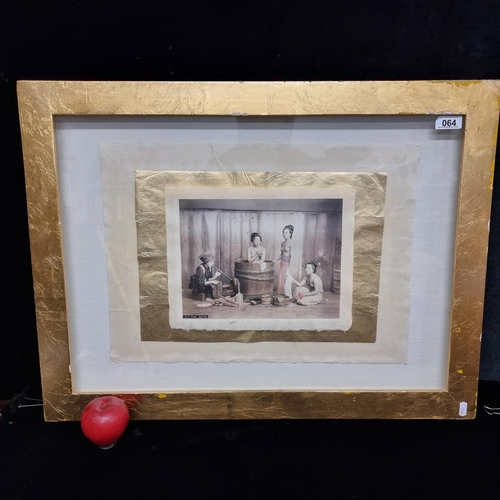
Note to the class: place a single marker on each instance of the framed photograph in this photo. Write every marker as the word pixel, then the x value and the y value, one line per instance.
pixel 260 249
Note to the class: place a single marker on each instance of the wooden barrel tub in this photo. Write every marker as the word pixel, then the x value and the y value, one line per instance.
pixel 253 281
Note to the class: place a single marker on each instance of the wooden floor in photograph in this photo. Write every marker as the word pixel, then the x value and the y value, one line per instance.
pixel 328 308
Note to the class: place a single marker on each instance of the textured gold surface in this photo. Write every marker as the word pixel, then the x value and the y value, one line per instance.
pixel 39 102
pixel 151 237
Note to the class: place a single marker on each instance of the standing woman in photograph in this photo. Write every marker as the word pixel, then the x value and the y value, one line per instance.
pixel 309 291
pixel 256 253
pixel 285 258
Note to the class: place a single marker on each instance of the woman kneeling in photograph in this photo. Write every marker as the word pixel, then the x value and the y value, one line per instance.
pixel 309 291
pixel 206 276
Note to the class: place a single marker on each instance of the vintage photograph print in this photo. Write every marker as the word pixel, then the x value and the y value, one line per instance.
pixel 261 258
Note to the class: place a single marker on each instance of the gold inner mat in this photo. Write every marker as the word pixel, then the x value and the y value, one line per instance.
pixel 153 253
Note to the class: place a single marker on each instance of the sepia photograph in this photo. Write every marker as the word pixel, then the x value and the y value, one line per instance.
pixel 261 258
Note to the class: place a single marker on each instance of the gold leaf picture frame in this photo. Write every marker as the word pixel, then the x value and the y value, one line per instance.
pixel 271 387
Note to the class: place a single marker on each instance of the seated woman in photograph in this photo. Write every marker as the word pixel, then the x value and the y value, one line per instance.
pixel 285 258
pixel 256 253
pixel 309 291
pixel 206 277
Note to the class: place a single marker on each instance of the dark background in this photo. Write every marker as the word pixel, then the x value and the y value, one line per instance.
pixel 203 41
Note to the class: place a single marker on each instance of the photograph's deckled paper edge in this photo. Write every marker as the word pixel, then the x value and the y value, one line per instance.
pixel 343 323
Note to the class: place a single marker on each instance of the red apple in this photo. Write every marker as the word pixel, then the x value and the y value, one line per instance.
pixel 104 420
